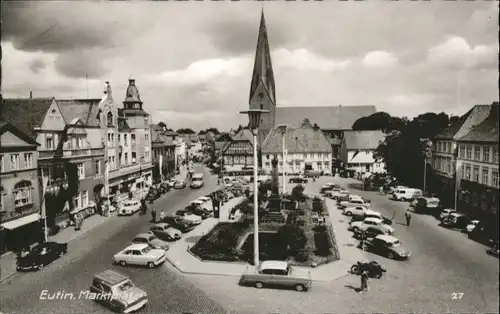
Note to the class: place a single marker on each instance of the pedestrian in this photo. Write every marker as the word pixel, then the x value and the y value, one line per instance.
pixel 408 217
pixel 162 215
pixel 153 215
pixel 364 281
pixel 381 189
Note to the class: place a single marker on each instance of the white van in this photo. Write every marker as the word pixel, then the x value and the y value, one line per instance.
pixel 406 194
pixel 197 181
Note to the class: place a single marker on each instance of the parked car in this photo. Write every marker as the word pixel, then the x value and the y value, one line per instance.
pixel 198 211
pixel 179 224
pixel 355 210
pixel 164 187
pixel 446 212
pixel 189 217
pixel 140 254
pixel 165 231
pixel 152 240
pixel 355 201
pixel 197 181
pixel 335 193
pixel 455 220
pixel 153 195
pixel 117 292
pixel 203 199
pixel 365 232
pixel 171 183
pixel 426 204
pixel 179 185
pixel 386 245
pixel 470 227
pixel 129 207
pixel 41 255
pixel 277 273
pixel 328 187
pixel 370 222
pixel 406 194
pixel 298 179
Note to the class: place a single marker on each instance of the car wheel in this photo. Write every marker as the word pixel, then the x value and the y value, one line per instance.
pixel 300 287
pixel 39 267
pixel 390 255
pixel 259 285
pixel 365 247
pixel 348 213
pixel 355 229
pixel 403 199
pixel 151 265
pixel 61 254
pixel 122 263
pixel 335 198
pixel 355 269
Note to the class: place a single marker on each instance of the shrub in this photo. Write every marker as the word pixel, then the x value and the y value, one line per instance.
pixel 322 243
pixel 320 228
pixel 298 193
pixel 317 204
pixel 292 237
pixel 301 256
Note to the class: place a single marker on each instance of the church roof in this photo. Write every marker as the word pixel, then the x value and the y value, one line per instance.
pixel 263 68
pixel 304 139
pixel 327 117
pixel 132 93
pixel 25 113
pixel 363 139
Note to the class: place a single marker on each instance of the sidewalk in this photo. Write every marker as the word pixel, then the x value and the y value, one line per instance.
pixel 8 260
pixel 179 256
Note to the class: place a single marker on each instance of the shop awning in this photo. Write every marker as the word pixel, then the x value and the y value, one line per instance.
pixel 13 224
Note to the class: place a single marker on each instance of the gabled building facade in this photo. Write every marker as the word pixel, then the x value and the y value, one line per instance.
pixel 20 223
pixel 306 149
pixel 358 151
pixel 238 153
pixel 163 155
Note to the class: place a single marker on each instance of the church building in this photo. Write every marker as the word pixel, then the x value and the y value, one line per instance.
pixel 332 120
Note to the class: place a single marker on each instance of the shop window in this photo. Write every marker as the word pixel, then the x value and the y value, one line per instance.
pixel 23 193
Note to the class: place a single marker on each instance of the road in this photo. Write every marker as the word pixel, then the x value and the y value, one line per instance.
pixel 447 273
pixel 168 290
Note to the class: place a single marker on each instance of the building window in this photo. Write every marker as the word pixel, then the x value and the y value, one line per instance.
pixel 1 164
pixel 126 158
pixel 97 167
pixel 467 172
pixel 486 154
pixel 28 160
pixel 78 200
pixel 14 162
pixel 475 174
pixel 49 143
pixel 468 152
pixel 132 139
pixel 146 137
pixel 494 178
pixel 119 138
pixel 110 119
pixel 1 199
pixel 485 175
pixel 477 153
pixel 461 151
pixel 146 155
pixel 85 198
pixel 449 147
pixel 81 170
pixel 495 155
pixel 125 140
pixel 23 194
pixel 134 158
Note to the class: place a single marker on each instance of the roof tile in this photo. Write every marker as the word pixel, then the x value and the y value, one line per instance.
pixel 297 140
pixel 25 114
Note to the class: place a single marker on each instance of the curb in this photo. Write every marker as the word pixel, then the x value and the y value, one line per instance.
pixel 72 240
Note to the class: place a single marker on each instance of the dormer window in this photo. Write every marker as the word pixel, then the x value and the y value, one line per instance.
pixel 110 119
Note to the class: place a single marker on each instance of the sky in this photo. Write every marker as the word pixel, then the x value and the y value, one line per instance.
pixel 192 61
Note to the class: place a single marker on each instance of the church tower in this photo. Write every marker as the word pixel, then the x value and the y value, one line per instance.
pixel 262 89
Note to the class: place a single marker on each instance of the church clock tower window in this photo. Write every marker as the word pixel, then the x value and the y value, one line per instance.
pixel 110 118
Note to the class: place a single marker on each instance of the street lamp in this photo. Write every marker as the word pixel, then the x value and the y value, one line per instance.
pixel 282 129
pixel 254 119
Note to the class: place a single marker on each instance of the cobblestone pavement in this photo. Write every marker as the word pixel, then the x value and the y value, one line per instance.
pixel 168 290
pixel 447 273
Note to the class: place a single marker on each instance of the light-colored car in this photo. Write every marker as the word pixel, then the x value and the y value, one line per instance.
pixel 117 292
pixel 171 183
pixel 152 240
pixel 336 193
pixel 277 273
pixel 188 217
pixel 446 212
pixel 164 231
pixel 204 199
pixel 470 227
pixel 355 201
pixel 129 207
pixel 356 225
pixel 178 185
pixel 140 254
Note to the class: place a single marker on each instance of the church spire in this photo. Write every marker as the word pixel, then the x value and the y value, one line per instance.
pixel 263 69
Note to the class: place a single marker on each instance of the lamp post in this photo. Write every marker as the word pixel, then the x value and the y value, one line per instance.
pixel 254 119
pixel 282 129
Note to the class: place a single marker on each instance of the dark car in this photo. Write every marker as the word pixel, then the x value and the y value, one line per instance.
pixel 178 224
pixel 455 220
pixel 386 245
pixel 198 210
pixel 164 188
pixel 153 195
pixel 42 255
pixel 297 180
pixel 369 232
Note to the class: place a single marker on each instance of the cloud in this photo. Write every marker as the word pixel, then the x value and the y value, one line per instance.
pixel 80 64
pixel 37 65
pixel 304 60
pixel 379 59
pixel 455 53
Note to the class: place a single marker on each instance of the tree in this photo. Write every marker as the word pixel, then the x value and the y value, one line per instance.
pixel 185 131
pixel 162 124
pixel 213 130
pixel 379 121
pixel 292 237
pixel 298 193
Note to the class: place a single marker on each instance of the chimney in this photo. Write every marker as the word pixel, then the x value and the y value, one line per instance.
pixel 31 94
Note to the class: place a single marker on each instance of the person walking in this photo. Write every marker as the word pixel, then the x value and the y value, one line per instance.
pixel 153 215
pixel 408 217
pixel 381 189
pixel 162 215
pixel 364 281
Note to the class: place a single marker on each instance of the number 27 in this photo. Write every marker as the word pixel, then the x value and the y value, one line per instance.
pixel 457 295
